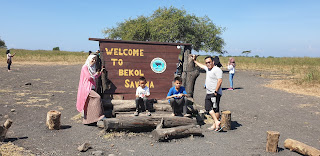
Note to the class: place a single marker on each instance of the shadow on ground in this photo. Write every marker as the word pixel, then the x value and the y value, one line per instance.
pixel 235 125
pixel 233 88
pixel 14 139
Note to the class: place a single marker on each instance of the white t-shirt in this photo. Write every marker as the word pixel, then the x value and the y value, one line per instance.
pixel 212 77
pixel 231 69
pixel 9 56
pixel 142 92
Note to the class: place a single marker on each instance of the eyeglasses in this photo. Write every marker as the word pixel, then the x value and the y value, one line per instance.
pixel 208 62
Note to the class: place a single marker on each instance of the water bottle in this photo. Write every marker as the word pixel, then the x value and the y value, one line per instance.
pixel 214 102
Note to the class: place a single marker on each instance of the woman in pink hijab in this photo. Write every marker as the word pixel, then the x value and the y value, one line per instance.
pixel 88 101
pixel 231 68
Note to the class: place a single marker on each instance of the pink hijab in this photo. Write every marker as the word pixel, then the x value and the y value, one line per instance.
pixel 87 79
pixel 232 61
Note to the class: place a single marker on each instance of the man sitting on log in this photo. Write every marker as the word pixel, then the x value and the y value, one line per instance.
pixel 177 98
pixel 142 94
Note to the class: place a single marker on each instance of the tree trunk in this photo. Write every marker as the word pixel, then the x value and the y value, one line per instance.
pixel 189 73
pixel 226 120
pixel 301 148
pixel 53 119
pixel 162 134
pixel 4 129
pixel 144 123
pixel 272 141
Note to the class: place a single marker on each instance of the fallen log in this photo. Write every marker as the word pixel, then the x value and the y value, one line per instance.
pixel 272 141
pixel 143 123
pixel 4 128
pixel 53 119
pixel 164 134
pixel 161 105
pixel 130 105
pixel 301 148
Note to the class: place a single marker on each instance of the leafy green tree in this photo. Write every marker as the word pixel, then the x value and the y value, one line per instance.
pixel 246 52
pixel 56 49
pixel 2 44
pixel 171 25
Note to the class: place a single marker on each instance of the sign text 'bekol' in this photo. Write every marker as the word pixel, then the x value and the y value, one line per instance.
pixel 127 72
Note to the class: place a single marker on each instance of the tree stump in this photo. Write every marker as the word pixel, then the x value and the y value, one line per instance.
pixel 272 141
pixel 226 120
pixel 301 148
pixel 53 119
pixel 163 134
pixel 4 128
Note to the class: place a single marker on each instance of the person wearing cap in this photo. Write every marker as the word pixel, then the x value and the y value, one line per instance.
pixel 213 88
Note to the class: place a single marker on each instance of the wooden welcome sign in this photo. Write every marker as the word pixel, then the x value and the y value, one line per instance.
pixel 127 61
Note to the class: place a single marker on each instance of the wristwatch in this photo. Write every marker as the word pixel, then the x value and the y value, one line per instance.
pixel 215 92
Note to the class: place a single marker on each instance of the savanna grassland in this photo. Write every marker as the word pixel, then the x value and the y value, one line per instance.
pixel 44 57
pixel 293 74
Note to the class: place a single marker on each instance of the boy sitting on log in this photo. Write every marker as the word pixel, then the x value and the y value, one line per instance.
pixel 142 94
pixel 177 98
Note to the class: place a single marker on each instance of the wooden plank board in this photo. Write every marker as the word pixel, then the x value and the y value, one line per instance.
pixel 127 61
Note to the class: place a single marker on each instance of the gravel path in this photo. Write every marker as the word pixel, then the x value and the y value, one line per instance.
pixel 255 110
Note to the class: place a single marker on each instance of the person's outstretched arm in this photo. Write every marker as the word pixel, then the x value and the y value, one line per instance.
pixel 194 58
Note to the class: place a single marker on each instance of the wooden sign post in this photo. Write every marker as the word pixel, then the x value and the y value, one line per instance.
pixel 127 61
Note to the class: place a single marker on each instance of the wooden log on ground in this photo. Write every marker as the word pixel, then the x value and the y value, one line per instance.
pixel 162 107
pixel 163 134
pixel 53 119
pixel 130 105
pixel 272 141
pixel 226 120
pixel 4 128
pixel 144 123
pixel 301 148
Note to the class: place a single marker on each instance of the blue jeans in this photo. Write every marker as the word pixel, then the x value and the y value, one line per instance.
pixel 231 79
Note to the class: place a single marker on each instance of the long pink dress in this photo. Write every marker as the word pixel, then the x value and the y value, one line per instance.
pixel 87 99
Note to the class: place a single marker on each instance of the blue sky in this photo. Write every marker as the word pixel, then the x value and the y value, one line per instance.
pixel 281 28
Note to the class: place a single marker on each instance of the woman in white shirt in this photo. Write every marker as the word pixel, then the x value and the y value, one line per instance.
pixel 231 68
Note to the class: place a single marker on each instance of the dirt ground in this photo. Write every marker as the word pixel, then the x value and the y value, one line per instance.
pixel 255 110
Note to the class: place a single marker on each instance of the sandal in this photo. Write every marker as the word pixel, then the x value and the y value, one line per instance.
pixel 219 129
pixel 136 113
pixel 212 128
pixel 148 113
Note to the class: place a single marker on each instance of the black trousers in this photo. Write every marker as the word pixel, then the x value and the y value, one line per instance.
pixel 178 106
pixel 139 102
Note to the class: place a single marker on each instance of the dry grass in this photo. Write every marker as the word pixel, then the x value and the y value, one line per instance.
pixel 9 149
pixel 44 57
pixel 292 87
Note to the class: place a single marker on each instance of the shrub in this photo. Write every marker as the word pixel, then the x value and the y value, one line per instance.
pixel 56 49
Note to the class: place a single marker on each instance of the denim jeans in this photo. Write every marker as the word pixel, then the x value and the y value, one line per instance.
pixel 231 79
